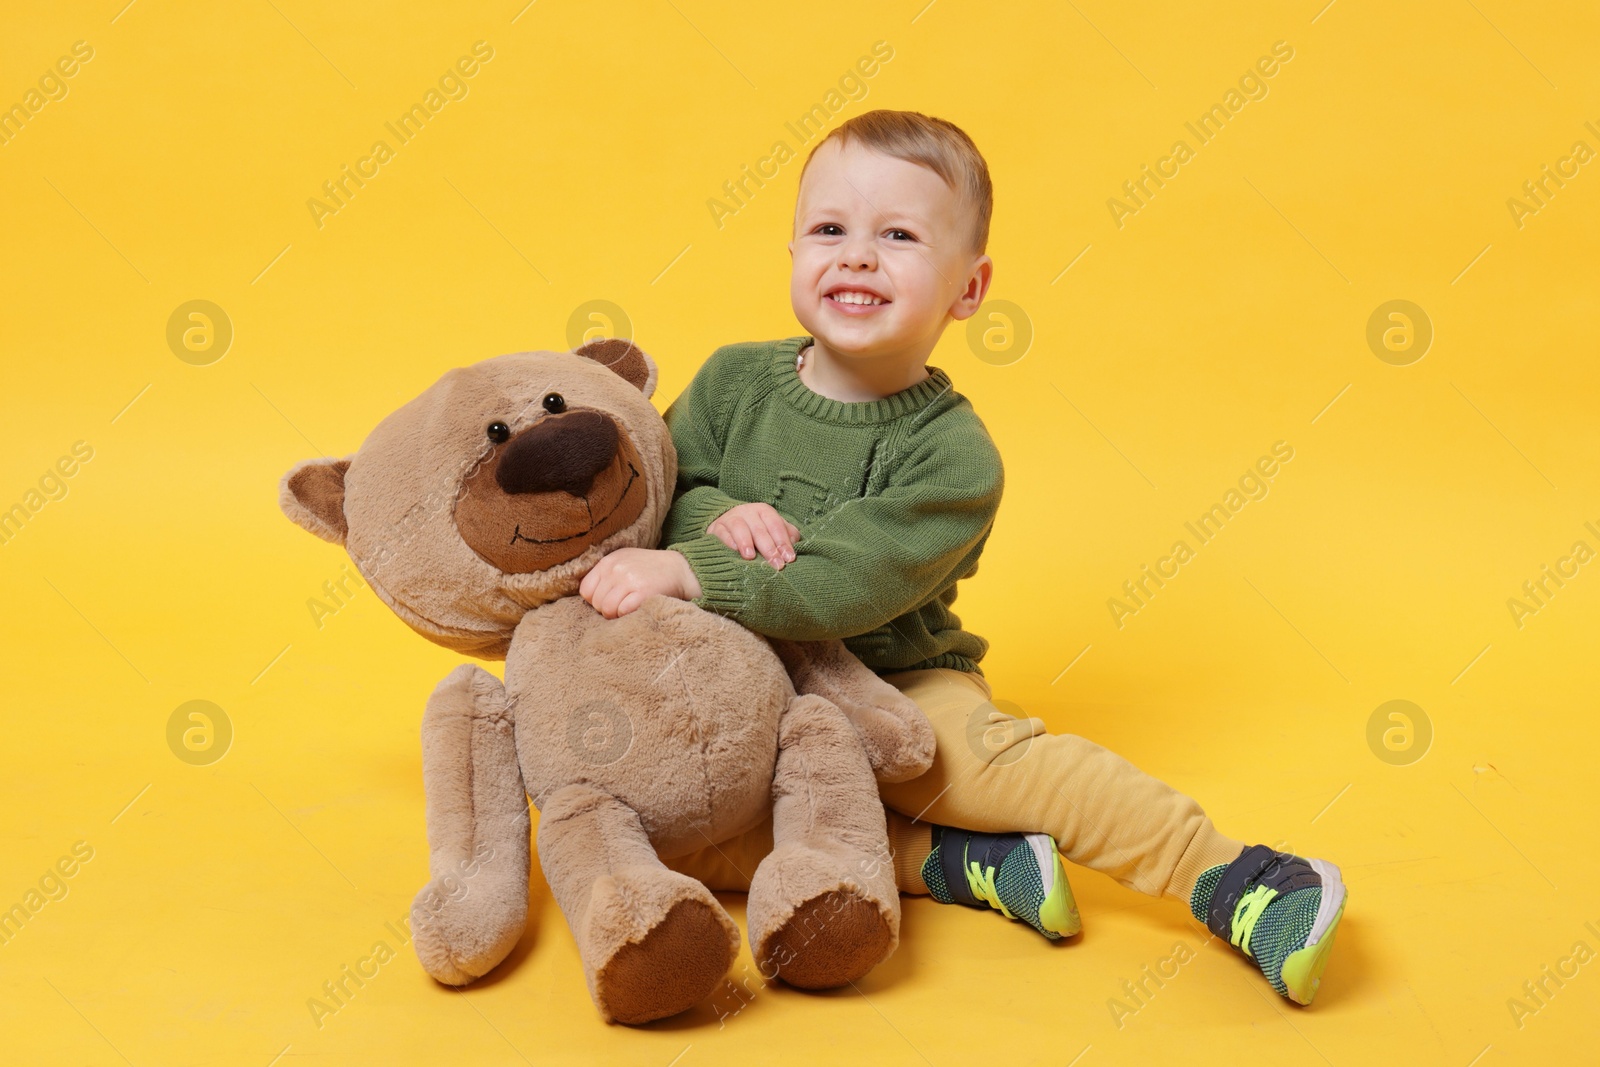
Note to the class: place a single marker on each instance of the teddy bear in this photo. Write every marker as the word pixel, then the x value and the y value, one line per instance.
pixel 474 511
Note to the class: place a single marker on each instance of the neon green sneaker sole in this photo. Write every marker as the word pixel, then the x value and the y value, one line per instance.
pixel 1302 970
pixel 1059 912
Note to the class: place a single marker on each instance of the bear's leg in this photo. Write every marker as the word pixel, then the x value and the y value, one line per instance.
pixel 469 917
pixel 823 907
pixel 896 734
pixel 653 942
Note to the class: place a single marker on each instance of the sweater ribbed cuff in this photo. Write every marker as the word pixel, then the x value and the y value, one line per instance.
pixel 700 505
pixel 719 570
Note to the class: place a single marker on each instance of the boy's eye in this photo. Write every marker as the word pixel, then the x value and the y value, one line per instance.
pixel 830 229
pixel 902 233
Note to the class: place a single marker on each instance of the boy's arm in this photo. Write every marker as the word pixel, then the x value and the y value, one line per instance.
pixel 867 560
pixel 696 419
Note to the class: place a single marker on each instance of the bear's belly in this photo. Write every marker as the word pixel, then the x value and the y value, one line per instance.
pixel 671 709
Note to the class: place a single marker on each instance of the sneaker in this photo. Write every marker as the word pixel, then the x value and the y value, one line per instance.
pixel 1018 875
pixel 1280 910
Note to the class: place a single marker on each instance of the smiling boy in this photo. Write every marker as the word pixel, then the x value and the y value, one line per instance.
pixel 868 487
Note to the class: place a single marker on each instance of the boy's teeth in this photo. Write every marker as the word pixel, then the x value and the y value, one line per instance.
pixel 856 298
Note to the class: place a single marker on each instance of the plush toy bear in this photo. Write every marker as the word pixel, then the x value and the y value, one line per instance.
pixel 474 511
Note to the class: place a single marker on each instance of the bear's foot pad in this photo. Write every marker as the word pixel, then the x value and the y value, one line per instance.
pixel 831 940
pixel 673 968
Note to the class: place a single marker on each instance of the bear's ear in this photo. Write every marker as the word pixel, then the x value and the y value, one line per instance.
pixel 626 358
pixel 312 494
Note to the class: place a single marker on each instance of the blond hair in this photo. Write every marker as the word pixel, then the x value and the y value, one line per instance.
pixel 941 146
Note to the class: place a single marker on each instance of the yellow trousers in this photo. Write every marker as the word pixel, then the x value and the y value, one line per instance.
pixel 994 772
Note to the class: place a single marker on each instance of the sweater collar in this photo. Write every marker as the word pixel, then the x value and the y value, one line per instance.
pixel 910 399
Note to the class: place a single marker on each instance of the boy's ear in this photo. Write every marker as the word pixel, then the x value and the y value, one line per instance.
pixel 626 358
pixel 312 495
pixel 971 298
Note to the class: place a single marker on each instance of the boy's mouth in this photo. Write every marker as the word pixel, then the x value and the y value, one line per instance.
pixel 856 301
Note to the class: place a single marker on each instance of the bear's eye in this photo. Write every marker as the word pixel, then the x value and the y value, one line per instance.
pixel 499 432
pixel 555 404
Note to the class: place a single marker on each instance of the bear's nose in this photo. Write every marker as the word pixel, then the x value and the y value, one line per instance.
pixel 558 452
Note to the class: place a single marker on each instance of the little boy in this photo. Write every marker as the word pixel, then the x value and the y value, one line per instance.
pixel 868 486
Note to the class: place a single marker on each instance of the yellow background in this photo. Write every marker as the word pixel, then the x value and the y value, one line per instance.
pixel 1224 316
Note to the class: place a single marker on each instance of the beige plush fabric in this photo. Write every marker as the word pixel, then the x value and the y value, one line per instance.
pixel 639 738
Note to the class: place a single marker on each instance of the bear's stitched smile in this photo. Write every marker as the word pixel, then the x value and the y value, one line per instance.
pixel 551 514
pixel 516 534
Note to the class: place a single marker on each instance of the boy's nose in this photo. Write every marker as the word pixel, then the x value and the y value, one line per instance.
pixel 558 452
pixel 857 253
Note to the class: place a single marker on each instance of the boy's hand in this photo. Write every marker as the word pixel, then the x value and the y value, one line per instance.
pixel 623 579
pixel 748 528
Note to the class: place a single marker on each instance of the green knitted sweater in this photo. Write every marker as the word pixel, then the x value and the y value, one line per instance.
pixel 894 499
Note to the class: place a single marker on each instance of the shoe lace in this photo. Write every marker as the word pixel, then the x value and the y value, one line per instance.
pixel 981 882
pixel 1245 914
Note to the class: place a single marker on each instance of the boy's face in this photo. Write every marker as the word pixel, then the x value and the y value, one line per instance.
pixel 870 223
